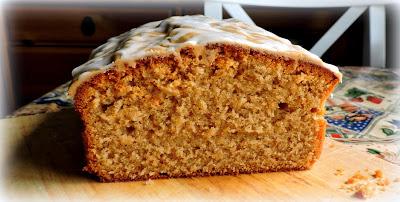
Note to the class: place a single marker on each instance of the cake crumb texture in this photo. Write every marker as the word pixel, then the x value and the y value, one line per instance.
pixel 207 110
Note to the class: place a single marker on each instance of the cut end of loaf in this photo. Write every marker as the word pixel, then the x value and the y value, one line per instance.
pixel 208 110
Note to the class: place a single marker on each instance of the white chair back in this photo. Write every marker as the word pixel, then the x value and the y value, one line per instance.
pixel 377 20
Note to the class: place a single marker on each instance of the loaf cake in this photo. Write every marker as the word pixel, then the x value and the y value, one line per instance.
pixel 195 96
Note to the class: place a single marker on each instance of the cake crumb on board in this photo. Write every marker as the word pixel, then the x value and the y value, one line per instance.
pixel 365 185
pixel 339 172
pixel 148 182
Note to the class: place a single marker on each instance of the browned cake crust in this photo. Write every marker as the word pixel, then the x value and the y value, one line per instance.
pixel 219 58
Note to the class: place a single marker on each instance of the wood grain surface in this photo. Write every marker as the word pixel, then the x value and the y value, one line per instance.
pixel 44 156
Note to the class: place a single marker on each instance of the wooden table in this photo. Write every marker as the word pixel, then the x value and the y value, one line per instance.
pixel 43 157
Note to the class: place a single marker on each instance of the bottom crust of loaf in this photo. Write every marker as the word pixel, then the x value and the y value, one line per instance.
pixel 214 110
pixel 194 174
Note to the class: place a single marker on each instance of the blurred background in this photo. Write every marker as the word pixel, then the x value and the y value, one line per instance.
pixel 42 41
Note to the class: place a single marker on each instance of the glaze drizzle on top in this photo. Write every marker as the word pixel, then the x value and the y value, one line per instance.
pixel 171 34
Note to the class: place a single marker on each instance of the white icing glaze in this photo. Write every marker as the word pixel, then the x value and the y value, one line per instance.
pixel 173 33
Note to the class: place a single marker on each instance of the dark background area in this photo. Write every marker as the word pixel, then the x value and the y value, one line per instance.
pixel 46 41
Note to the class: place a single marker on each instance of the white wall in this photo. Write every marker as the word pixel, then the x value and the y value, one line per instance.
pixel 6 80
pixel 393 39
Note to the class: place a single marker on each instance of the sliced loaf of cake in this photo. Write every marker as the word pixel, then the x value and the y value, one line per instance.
pixel 195 96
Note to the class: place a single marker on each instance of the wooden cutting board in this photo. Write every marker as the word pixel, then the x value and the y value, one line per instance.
pixel 43 159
